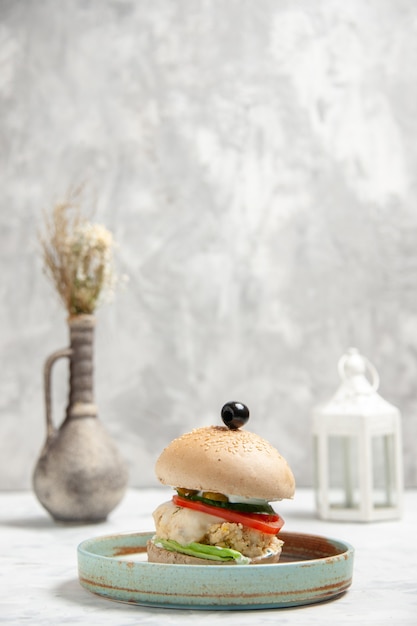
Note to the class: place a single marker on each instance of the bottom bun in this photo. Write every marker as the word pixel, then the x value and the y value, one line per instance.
pixel 160 555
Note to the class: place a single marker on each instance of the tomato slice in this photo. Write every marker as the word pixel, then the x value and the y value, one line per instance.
pixel 264 523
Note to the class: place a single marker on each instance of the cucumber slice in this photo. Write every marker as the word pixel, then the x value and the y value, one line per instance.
pixel 243 507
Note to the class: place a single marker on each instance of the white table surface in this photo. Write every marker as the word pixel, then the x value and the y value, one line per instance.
pixel 39 579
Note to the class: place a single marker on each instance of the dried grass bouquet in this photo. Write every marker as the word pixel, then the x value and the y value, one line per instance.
pixel 78 257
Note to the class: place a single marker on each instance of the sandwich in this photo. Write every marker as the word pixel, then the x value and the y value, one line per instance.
pixel 225 479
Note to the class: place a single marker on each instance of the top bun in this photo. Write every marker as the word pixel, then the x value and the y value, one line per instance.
pixel 232 462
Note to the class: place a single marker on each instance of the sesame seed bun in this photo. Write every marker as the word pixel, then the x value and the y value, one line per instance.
pixel 233 462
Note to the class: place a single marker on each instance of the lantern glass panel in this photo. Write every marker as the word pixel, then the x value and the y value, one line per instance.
pixel 384 476
pixel 343 472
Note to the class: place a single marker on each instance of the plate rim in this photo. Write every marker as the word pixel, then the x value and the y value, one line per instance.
pixel 349 550
pixel 146 595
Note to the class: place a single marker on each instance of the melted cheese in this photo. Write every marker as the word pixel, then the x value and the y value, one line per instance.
pixel 181 524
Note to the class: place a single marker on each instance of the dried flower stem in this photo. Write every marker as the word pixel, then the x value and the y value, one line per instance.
pixel 78 257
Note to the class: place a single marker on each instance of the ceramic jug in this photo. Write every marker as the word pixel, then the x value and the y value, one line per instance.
pixel 80 475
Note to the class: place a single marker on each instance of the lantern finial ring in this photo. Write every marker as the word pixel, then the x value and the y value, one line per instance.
pixel 353 364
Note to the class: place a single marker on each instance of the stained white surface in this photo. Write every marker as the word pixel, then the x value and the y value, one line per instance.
pixel 39 580
pixel 256 162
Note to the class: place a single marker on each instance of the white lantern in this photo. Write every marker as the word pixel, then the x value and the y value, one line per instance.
pixel 358 448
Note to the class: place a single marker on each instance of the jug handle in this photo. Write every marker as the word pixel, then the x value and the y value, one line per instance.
pixel 59 354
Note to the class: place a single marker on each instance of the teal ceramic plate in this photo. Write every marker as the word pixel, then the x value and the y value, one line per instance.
pixel 311 569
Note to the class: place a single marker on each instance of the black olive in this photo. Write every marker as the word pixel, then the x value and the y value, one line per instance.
pixel 235 415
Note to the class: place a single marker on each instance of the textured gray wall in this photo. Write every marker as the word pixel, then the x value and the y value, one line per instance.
pixel 256 162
